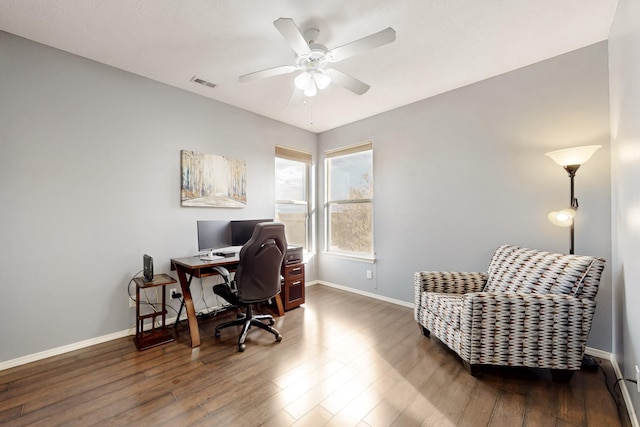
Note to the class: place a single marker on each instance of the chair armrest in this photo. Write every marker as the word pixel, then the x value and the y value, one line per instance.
pixel 545 330
pixel 451 282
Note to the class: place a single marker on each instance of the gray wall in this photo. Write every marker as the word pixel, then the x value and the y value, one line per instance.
pixel 90 177
pixel 459 174
pixel 624 62
pixel 90 181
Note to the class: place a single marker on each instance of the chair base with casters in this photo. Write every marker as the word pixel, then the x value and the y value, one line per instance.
pixel 246 320
pixel 249 319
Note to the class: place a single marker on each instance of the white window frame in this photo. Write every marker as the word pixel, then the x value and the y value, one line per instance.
pixel 356 148
pixel 306 158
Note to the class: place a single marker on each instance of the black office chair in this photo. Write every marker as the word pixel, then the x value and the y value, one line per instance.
pixel 257 279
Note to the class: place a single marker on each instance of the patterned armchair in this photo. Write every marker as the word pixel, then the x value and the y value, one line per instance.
pixel 531 308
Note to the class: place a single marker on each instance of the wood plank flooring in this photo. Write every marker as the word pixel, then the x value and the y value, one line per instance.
pixel 345 360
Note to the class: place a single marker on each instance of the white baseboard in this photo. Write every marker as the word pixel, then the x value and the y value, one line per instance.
pixel 598 353
pixel 87 343
pixel 64 349
pixel 364 293
pixel 623 385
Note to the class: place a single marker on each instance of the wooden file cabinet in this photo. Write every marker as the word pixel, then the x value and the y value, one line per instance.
pixel 292 286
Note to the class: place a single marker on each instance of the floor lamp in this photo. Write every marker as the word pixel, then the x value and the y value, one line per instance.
pixel 570 159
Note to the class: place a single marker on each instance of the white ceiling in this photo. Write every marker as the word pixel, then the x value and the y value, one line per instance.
pixel 441 44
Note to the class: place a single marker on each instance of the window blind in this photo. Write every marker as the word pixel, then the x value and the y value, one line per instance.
pixel 293 154
pixel 357 148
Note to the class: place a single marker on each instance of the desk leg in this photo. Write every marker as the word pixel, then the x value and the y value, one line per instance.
pixel 279 305
pixel 188 303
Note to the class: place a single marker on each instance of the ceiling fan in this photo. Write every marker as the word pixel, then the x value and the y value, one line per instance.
pixel 313 59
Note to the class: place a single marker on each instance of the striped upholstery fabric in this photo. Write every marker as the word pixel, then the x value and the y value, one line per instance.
pixel 514 269
pixel 532 308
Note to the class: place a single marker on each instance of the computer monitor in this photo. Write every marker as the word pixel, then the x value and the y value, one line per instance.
pixel 213 234
pixel 241 231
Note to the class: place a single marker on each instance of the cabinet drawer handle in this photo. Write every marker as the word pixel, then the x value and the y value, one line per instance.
pixel 296 283
pixel 296 270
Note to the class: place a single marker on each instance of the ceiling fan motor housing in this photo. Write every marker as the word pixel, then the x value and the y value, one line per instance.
pixel 314 60
pixel 311 35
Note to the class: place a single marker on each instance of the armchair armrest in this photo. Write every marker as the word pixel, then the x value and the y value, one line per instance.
pixel 444 282
pixel 536 330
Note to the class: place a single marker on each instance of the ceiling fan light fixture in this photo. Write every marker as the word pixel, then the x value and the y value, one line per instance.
pixel 302 81
pixel 311 89
pixel 322 79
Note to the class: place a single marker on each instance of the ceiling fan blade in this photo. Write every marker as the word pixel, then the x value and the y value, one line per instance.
pixel 296 99
pixel 364 44
pixel 292 35
pixel 348 82
pixel 269 72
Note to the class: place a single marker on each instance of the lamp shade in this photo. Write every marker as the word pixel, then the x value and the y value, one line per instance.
pixel 573 156
pixel 562 218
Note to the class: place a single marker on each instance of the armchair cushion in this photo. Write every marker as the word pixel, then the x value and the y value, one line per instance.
pixel 447 307
pixel 514 269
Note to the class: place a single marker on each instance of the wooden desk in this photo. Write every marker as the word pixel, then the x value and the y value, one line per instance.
pixel 195 267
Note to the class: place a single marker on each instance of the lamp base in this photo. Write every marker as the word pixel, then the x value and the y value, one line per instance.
pixel 589 363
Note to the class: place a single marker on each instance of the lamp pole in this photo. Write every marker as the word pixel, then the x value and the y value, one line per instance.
pixel 571 170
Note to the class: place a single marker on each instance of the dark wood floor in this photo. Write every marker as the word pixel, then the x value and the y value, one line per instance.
pixel 345 360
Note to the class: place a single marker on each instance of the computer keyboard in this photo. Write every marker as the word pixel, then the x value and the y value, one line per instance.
pixel 210 258
pixel 219 253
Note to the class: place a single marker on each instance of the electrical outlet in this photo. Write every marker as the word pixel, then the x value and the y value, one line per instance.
pixel 172 291
pixel 369 274
pixel 637 379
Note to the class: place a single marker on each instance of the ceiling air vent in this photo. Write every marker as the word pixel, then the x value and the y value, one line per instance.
pixel 203 82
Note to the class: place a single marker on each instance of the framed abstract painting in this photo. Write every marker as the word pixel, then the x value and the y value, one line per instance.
pixel 209 180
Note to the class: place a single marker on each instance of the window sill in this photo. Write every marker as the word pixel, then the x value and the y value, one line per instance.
pixel 359 258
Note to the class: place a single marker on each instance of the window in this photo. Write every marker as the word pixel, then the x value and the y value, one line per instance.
pixel 349 208
pixel 292 194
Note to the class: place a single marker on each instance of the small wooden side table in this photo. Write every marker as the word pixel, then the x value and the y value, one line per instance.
pixel 156 335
